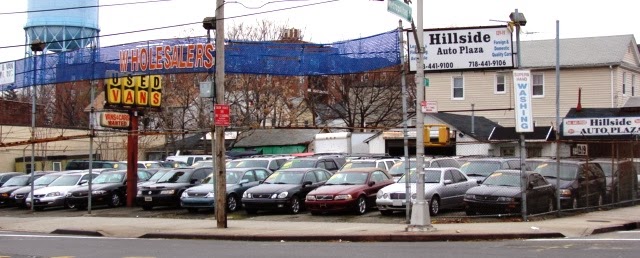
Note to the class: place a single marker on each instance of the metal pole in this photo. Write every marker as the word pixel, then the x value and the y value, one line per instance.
pixel 92 129
pixel 220 173
pixel 558 203
pixel 407 163
pixel 523 150
pixel 420 219
pixel 33 127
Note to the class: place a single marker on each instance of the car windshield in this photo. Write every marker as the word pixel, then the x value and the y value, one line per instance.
pixel 479 168
pixel 66 180
pixel 232 164
pixel 175 177
pixel 152 165
pixel 202 163
pixel 46 180
pixel 567 171
pixel 157 176
pixel 398 168
pixel 431 176
pixel 503 179
pixel 106 178
pixel 299 163
pixel 252 163
pixel 233 177
pixel 287 177
pixel 607 168
pixel 17 181
pixel 348 178
pixel 360 164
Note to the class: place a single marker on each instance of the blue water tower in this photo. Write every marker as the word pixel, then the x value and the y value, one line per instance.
pixel 64 25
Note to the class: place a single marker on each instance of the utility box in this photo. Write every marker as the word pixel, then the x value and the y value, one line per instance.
pixel 436 135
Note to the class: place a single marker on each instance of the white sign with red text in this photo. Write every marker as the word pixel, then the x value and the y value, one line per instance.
pixel 600 126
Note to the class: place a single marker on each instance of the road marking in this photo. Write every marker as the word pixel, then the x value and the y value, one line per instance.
pixel 583 239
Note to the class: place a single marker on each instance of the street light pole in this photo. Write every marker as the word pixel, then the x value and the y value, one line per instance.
pixel 220 173
pixel 36 45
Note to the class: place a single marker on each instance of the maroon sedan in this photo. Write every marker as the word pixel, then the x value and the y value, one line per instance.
pixel 348 190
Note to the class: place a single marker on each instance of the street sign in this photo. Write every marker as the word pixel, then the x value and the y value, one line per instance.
pixel 221 115
pixel 426 82
pixel 399 8
pixel 429 106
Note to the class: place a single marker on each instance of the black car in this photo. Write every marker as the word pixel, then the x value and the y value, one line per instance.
pixel 501 193
pixel 19 195
pixel 13 184
pixel 5 176
pixel 285 189
pixel 109 188
pixel 238 181
pixel 167 190
pixel 582 182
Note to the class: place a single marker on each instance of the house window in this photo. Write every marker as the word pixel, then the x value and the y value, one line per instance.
pixel 500 84
pixel 507 151
pixel 57 166
pixel 534 152
pixel 458 88
pixel 538 85
pixel 624 83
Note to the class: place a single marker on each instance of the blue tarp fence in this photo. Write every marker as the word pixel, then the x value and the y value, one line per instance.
pixel 241 57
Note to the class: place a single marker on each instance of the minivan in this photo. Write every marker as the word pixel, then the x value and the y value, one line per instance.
pixel 582 182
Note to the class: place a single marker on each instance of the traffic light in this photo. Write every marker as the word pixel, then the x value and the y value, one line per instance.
pixel 436 135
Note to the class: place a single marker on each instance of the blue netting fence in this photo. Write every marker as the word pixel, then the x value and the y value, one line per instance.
pixel 241 57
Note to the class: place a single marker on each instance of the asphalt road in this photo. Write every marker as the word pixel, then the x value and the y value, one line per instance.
pixel 13 244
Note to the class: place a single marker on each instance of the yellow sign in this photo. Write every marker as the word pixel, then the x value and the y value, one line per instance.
pixel 134 90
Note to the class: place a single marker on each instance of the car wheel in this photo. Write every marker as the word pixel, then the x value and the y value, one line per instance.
pixel 115 200
pixel 69 205
pixel 434 206
pixel 147 207
pixel 192 210
pixel 386 212
pixel 251 211
pixel 294 208
pixel 233 203
pixel 361 205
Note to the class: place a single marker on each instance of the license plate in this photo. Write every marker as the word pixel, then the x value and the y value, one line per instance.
pixel 148 199
pixel 397 203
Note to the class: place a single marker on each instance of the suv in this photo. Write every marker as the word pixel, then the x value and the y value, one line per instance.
pixel 582 182
pixel 272 163
pixel 479 168
pixel 84 164
pixel 327 162
pixel 622 178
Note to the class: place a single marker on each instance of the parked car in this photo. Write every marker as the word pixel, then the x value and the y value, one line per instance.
pixel 189 159
pixel 168 189
pixel 479 168
pixel 173 164
pixel 501 193
pixel 84 164
pixel 285 189
pixel 621 176
pixel 272 163
pixel 444 188
pixel 19 195
pixel 155 177
pixel 5 176
pixel 398 169
pixel 109 188
pixel 238 181
pixel 351 189
pixel 385 164
pixel 329 163
pixel 582 183
pixel 15 183
pixel 54 194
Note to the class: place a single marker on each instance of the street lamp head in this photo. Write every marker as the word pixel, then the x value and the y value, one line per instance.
pixel 209 23
pixel 37 45
pixel 518 19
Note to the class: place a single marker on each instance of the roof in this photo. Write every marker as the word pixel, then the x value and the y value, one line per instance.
pixel 482 126
pixel 577 52
pixel 276 137
pixel 540 133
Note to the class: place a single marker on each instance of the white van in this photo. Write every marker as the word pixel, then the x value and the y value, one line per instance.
pixel 189 159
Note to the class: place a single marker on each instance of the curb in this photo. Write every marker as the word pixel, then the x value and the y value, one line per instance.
pixel 623 227
pixel 77 232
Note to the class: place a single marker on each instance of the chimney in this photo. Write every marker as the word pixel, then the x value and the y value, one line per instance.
pixel 579 107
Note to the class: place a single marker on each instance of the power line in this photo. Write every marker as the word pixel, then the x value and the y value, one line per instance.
pixel 83 7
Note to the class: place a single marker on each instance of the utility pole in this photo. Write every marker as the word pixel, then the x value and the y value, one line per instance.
pixel 219 155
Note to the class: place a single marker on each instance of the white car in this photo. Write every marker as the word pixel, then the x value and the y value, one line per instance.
pixel 54 194
pixel 444 188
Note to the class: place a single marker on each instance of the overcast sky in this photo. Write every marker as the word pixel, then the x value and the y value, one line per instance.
pixel 326 21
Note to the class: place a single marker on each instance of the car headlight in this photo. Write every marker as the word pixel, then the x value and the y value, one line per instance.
pixel 168 191
pixel 4 194
pixel 280 195
pixel 565 192
pixel 470 196
pixel 379 194
pixel 99 192
pixel 53 194
pixel 505 199
pixel 139 193
pixel 184 194
pixel 210 195
pixel 343 197
pixel 311 197
pixel 247 195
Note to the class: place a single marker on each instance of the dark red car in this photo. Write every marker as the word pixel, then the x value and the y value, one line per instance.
pixel 348 190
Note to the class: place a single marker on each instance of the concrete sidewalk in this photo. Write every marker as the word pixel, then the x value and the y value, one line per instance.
pixel 248 230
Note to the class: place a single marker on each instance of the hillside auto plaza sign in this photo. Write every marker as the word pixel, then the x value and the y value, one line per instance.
pixel 606 126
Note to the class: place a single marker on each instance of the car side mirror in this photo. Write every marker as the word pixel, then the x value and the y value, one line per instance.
pixel 306 183
pixel 244 181
pixel 371 183
pixel 194 181
pixel 82 182
pixel 261 181
pixel 479 181
pixel 530 185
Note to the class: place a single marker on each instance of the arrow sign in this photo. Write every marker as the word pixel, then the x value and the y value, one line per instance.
pixel 399 8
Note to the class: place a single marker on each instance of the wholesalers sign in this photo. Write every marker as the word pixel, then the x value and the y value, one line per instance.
pixel 464 48
pixel 601 126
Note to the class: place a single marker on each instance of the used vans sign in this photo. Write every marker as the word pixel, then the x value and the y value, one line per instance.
pixel 600 126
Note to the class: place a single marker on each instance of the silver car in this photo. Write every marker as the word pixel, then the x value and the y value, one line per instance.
pixel 444 189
